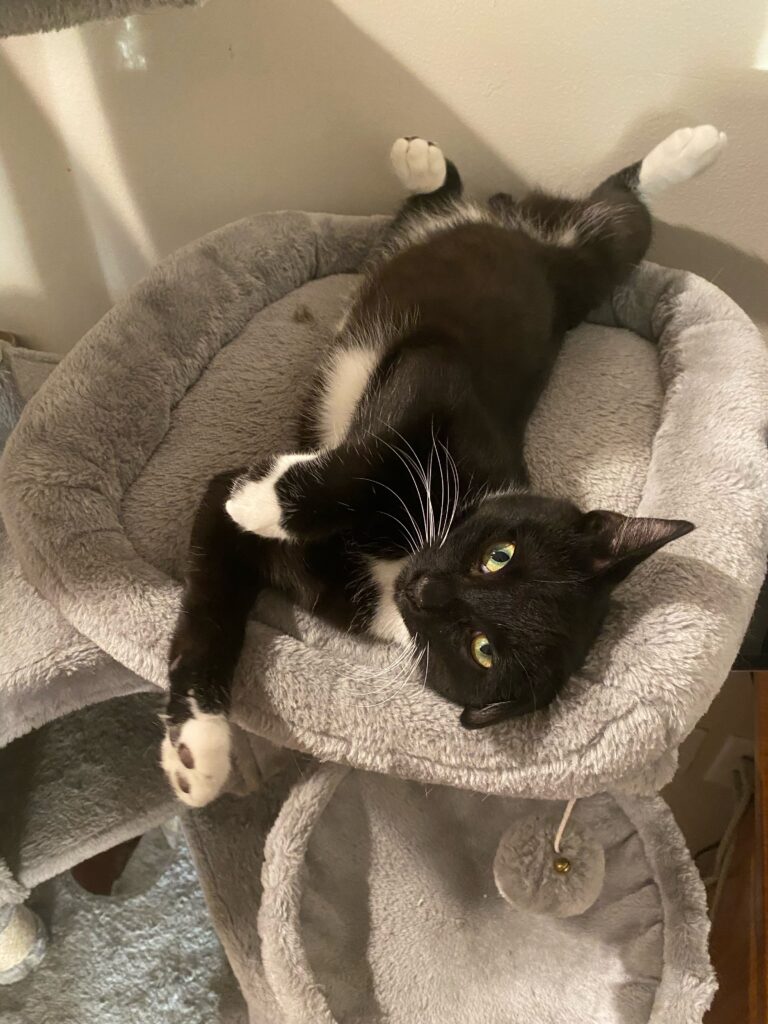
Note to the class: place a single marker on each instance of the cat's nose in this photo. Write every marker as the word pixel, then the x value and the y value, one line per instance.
pixel 428 592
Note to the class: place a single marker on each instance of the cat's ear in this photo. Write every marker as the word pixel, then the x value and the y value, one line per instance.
pixel 479 718
pixel 619 543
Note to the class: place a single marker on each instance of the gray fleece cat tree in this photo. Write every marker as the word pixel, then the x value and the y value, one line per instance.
pixel 380 862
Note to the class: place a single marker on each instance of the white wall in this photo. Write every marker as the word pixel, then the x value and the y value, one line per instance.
pixel 122 141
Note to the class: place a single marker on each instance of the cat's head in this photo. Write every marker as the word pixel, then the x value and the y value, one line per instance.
pixel 513 599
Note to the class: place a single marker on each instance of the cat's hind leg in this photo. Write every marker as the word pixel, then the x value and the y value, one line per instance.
pixel 421 166
pixel 613 226
pixel 601 239
pixel 433 181
pixel 681 156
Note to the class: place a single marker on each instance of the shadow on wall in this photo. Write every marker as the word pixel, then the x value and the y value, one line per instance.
pixel 742 275
pixel 57 233
pixel 238 107
pixel 195 155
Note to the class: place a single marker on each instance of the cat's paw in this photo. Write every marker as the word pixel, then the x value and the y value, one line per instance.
pixel 256 505
pixel 196 756
pixel 420 165
pixel 682 155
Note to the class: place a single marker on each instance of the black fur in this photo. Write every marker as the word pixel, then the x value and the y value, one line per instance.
pixel 469 317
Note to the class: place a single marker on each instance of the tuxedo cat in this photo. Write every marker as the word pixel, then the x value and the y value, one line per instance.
pixel 406 511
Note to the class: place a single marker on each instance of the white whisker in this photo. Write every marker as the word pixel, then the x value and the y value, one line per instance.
pixel 417 464
pixel 402 456
pixel 398 689
pixel 407 652
pixel 455 473
pixel 393 492
pixel 413 544
pixel 443 498
pixel 429 488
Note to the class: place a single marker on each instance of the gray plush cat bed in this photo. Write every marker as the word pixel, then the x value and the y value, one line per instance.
pixel 357 881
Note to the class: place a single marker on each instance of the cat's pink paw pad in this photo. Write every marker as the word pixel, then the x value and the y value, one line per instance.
pixel 195 757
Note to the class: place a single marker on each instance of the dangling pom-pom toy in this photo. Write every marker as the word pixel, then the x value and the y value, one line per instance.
pixel 547 871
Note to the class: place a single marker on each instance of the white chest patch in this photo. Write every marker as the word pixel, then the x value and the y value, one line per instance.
pixel 345 381
pixel 387 622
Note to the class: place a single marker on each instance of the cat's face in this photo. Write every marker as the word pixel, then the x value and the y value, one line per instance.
pixel 512 601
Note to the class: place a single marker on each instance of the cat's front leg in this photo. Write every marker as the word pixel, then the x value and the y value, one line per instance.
pixel 307 496
pixel 264 498
pixel 196 749
pixel 223 578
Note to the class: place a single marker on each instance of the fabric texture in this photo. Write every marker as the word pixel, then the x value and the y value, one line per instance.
pixel 40 652
pixel 148 958
pixel 73 788
pixel 378 903
pixel 20 17
pixel 368 894
pixel 77 786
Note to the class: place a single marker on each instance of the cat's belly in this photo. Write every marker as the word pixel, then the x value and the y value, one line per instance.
pixel 344 384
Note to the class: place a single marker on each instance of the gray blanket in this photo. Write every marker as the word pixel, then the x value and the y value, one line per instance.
pixel 203 367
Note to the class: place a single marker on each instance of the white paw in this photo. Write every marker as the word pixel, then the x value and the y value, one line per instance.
pixel 681 156
pixel 197 760
pixel 254 504
pixel 419 164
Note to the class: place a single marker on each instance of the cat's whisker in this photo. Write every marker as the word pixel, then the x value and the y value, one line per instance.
pixel 378 483
pixel 452 495
pixel 561 583
pixel 398 689
pixel 429 494
pixel 455 473
pixel 413 545
pixel 427 510
pixel 408 651
pixel 527 675
pixel 417 464
pixel 443 499
pixel 450 502
pixel 401 455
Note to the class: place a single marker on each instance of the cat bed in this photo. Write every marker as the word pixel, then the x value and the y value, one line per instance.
pixel 45 827
pixel 656 408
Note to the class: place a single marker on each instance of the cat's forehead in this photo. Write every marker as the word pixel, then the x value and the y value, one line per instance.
pixel 532 507
pixel 513 512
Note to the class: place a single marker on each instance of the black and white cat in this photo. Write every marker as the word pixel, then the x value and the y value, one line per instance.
pixel 410 476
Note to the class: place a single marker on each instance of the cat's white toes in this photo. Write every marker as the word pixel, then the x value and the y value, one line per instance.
pixel 682 155
pixel 255 505
pixel 420 165
pixel 197 759
pixel 692 150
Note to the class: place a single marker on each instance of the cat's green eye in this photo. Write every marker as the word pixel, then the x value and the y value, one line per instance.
pixel 482 651
pixel 497 556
